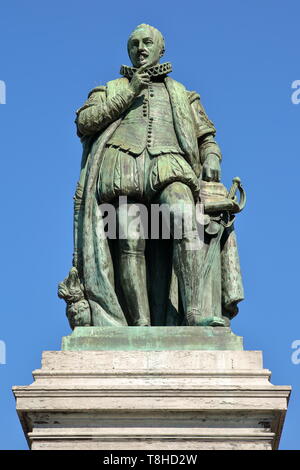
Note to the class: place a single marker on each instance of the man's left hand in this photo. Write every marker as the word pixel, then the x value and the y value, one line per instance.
pixel 212 168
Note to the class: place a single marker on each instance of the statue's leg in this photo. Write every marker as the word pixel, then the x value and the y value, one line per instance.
pixel 179 206
pixel 189 255
pixel 132 264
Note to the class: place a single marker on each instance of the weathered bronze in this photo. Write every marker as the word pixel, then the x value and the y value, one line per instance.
pixel 146 138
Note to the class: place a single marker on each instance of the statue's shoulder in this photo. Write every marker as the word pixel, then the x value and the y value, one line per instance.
pixel 97 89
pixel 171 82
pixel 92 98
pixel 116 83
pixel 97 94
pixel 192 95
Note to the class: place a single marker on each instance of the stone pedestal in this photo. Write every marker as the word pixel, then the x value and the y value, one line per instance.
pixel 152 399
pixel 154 338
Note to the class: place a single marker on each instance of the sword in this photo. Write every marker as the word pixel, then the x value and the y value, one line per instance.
pixel 236 207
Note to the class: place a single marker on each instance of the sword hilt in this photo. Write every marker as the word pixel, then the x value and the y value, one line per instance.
pixel 236 183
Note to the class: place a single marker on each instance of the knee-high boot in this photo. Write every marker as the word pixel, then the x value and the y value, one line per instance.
pixel 133 282
pixel 188 263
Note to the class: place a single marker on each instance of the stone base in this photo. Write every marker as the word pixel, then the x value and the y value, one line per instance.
pixel 152 400
pixel 154 338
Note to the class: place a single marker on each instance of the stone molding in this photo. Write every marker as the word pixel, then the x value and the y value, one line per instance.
pixel 193 400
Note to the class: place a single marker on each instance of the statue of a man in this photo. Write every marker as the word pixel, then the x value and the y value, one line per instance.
pixel 147 138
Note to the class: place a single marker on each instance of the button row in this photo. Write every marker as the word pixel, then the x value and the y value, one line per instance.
pixel 149 139
pixel 151 91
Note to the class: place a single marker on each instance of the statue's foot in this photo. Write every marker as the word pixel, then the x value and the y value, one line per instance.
pixel 194 319
pixel 214 321
pixel 142 322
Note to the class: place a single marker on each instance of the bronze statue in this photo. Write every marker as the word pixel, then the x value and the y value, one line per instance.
pixel 146 138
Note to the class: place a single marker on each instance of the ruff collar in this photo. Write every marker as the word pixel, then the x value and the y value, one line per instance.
pixel 158 70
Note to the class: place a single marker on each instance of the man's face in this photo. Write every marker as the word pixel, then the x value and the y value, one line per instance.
pixel 144 48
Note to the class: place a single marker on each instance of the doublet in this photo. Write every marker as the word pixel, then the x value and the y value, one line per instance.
pixel 148 123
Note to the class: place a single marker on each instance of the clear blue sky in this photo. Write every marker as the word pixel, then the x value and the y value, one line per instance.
pixel 242 57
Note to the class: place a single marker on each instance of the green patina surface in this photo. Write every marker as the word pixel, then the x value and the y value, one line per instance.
pixel 156 338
